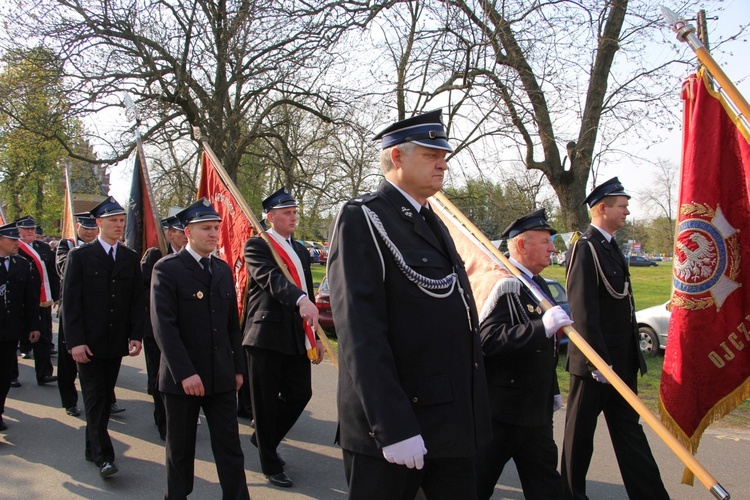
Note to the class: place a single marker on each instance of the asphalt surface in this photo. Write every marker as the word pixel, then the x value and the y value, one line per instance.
pixel 41 453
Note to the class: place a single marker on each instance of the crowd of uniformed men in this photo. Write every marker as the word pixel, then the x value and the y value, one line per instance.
pixel 433 394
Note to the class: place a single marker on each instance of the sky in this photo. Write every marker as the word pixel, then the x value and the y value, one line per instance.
pixel 636 174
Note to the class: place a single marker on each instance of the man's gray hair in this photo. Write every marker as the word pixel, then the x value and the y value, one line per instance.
pixel 386 164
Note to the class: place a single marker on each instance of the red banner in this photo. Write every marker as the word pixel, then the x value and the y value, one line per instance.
pixel 234 230
pixel 141 229
pixel 707 362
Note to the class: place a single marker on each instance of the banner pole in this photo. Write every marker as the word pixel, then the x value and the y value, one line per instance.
pixel 263 234
pixel 648 416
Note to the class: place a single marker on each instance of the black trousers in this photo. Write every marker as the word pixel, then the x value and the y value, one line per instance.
pixel 280 387
pixel 587 399
pixel 41 348
pixel 7 356
pixel 534 452
pixel 441 478
pixel 98 379
pixel 67 370
pixel 153 358
pixel 182 420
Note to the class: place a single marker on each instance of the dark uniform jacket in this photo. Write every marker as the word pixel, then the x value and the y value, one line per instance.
pixel 272 319
pixel 599 316
pixel 195 323
pixel 19 301
pixel 103 300
pixel 150 258
pixel 48 257
pixel 520 361
pixel 409 363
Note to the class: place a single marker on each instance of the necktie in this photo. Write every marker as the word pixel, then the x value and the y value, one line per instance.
pixel 617 250
pixel 542 286
pixel 112 253
pixel 206 263
pixel 3 269
pixel 431 220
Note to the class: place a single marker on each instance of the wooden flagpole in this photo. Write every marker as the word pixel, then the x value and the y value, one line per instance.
pixel 446 206
pixel 263 234
pixel 69 217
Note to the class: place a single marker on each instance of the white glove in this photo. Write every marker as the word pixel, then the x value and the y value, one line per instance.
pixel 554 319
pixel 409 452
pixel 599 377
pixel 556 402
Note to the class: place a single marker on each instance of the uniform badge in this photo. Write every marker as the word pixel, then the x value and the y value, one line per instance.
pixel 407 211
pixel 199 294
pixel 706 258
pixel 530 307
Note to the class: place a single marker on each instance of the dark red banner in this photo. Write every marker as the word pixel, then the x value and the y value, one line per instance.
pixel 140 230
pixel 707 361
pixel 235 228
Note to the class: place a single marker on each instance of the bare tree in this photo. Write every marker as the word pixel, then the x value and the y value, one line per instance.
pixel 661 197
pixel 222 66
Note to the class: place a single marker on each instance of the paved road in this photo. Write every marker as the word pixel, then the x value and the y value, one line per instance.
pixel 41 453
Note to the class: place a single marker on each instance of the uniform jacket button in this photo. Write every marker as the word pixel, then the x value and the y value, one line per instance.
pixel 414 399
pixel 372 434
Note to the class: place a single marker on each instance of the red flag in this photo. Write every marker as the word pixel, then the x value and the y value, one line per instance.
pixel 483 270
pixel 707 362
pixel 235 228
pixel 141 229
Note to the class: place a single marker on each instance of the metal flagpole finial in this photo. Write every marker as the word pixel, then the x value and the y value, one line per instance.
pixel 683 29
pixel 131 110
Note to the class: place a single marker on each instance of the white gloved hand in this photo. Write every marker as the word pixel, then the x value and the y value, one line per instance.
pixel 599 377
pixel 409 452
pixel 556 402
pixel 554 319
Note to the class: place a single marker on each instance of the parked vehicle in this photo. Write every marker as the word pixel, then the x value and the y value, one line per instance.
pixel 653 327
pixel 638 261
pixel 323 303
pixel 559 296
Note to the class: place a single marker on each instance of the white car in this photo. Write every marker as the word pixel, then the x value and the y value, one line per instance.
pixel 653 326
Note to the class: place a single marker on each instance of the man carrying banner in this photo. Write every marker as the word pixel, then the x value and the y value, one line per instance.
pixel 86 231
pixel 520 355
pixel 43 260
pixel 412 395
pixel 176 241
pixel 104 308
pixel 601 303
pixel 276 340
pixel 196 325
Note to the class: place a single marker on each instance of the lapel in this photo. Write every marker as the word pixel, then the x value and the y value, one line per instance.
pixel 101 256
pixel 408 213
pixel 120 259
pixel 12 266
pixel 195 268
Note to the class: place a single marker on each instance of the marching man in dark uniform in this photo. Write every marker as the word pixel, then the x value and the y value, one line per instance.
pixel 275 340
pixel 412 395
pixel 67 371
pixel 103 306
pixel 176 240
pixel 196 324
pixel 601 302
pixel 42 259
pixel 19 307
pixel 520 356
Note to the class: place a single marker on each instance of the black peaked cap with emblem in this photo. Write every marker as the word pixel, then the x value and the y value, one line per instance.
pixel 535 221
pixel 280 199
pixel 85 219
pixel 612 187
pixel 200 211
pixel 25 222
pixel 426 130
pixel 107 208
pixel 10 231
pixel 172 222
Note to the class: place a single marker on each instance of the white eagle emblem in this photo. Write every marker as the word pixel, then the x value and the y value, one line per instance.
pixel 706 258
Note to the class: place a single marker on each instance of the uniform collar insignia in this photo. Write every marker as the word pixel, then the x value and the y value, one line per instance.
pixel 407 211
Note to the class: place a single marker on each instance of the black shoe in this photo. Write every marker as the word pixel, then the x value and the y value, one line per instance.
pixel 280 479
pixel 116 409
pixel 15 383
pixel 73 411
pixel 2 425
pixel 254 442
pixel 107 469
pixel 47 379
pixel 27 355
pixel 53 352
